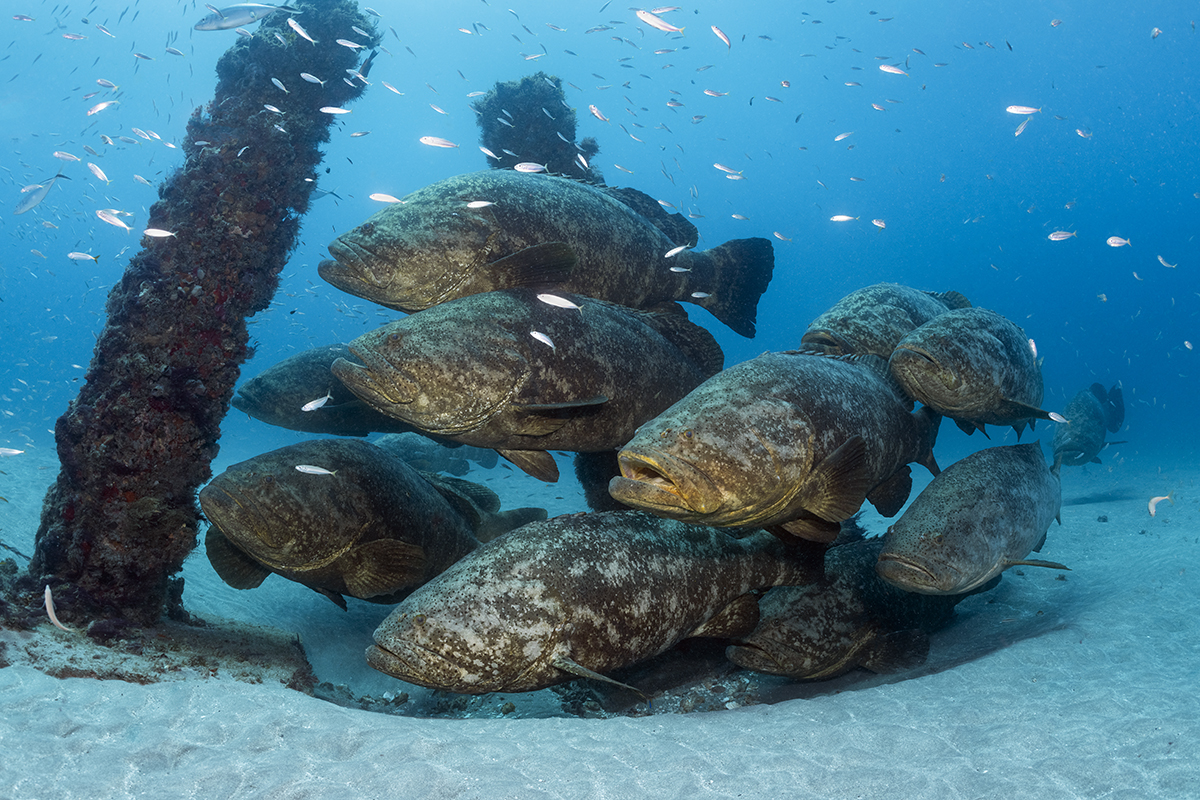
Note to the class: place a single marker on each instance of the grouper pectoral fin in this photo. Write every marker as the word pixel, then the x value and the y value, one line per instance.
pixel 808 528
pixel 838 485
pixel 382 566
pixel 543 419
pixel 232 565
pixel 332 597
pixel 733 621
pixel 580 671
pixel 1036 562
pixel 1021 411
pixel 891 495
pixel 543 265
pixel 537 463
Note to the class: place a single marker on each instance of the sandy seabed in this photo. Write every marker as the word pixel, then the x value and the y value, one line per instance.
pixel 1075 685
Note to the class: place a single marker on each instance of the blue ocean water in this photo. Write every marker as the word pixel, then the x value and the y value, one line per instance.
pixel 967 204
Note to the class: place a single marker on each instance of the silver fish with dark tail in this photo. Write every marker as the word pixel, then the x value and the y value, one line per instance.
pixel 523 375
pixel 444 242
pixel 975 367
pixel 851 619
pixel 873 319
pixel 1080 439
pixel 792 439
pixel 366 525
pixel 578 596
pixel 981 516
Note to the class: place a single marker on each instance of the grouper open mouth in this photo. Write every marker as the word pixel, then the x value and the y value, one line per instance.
pixel 662 482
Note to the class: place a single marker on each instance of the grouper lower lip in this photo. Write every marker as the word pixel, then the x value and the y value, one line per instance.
pixel 417 665
pixel 909 575
pixel 913 351
pixel 663 482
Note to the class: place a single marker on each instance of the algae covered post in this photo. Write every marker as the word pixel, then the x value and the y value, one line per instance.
pixel 136 444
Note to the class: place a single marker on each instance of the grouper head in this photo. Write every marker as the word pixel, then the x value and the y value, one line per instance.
pixel 280 517
pixel 932 378
pixel 714 460
pixel 436 371
pixel 471 645
pixel 935 561
pixel 413 254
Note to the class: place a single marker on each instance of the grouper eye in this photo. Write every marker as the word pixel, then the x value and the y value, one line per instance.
pixel 394 338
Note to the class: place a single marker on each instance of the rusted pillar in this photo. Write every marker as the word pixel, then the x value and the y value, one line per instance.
pixel 137 442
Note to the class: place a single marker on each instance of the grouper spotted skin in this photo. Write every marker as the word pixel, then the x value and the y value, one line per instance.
pixel 981 516
pixel 1080 439
pixel 539 231
pixel 851 619
pixel 873 319
pixel 975 367
pixel 522 375
pixel 792 439
pixel 578 596
pixel 366 526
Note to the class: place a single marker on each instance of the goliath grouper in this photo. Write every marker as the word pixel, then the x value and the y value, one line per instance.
pixel 575 597
pixel 873 319
pixel 1080 440
pixel 362 524
pixel 500 229
pixel 525 373
pixel 279 395
pixel 793 439
pixel 973 366
pixel 981 516
pixel 851 619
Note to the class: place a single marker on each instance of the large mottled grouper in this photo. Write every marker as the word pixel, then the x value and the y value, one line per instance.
pixel 500 229
pixel 544 372
pixel 795 439
pixel 579 596
pixel 1080 439
pixel 343 517
pixel 981 516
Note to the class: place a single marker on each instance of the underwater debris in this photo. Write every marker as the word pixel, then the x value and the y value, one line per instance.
pixel 136 444
pixel 532 119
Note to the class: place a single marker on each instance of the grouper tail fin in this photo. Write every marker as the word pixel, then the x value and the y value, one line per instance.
pixel 742 271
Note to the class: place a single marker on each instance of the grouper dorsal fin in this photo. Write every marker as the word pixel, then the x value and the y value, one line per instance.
pixel 543 265
pixel 381 567
pixel 695 342
pixel 232 565
pixel 580 671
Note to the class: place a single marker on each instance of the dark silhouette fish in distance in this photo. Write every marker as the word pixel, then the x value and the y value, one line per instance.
pixel 875 318
pixel 1080 439
pixel 501 229
pixel 279 393
pixel 366 525
pixel 982 515
pixel 579 596
pixel 545 372
pixel 973 366
pixel 795 439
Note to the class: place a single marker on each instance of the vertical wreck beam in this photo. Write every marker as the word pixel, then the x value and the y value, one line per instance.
pixel 137 442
